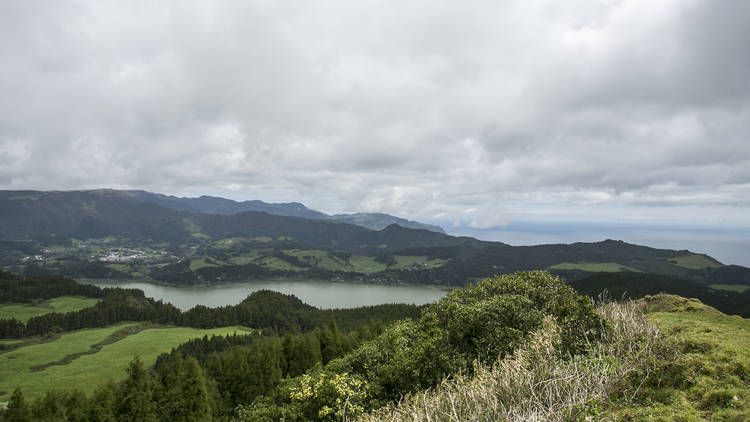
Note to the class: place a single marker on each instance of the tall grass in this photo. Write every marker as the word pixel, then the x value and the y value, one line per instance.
pixel 539 383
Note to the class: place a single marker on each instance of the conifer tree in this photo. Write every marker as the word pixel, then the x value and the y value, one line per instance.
pixel 76 406
pixel 18 409
pixel 195 405
pixel 134 398
pixel 100 407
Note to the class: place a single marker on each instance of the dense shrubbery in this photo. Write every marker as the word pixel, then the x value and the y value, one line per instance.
pixel 539 381
pixel 516 347
pixel 485 321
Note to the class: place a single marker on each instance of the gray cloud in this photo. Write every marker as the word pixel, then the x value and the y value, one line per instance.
pixel 476 114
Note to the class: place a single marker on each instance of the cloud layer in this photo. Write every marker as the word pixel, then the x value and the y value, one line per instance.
pixel 472 113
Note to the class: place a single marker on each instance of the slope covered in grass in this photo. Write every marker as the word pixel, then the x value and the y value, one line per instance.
pixel 664 358
pixel 712 373
pixel 87 358
pixel 24 311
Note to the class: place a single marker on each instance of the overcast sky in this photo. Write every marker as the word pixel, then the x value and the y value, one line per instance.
pixel 471 114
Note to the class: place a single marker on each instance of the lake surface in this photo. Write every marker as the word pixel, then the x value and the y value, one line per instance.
pixel 320 294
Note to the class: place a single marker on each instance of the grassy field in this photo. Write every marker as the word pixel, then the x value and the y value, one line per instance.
pixel 320 259
pixel 692 365
pixel 199 263
pixel 593 267
pixel 739 288
pixel 244 258
pixel 89 370
pixel 405 261
pixel 366 264
pixel 24 311
pixel 694 261
pixel 712 376
pixel 274 263
pixel 120 267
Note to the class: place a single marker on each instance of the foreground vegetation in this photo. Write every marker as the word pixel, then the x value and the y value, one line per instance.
pixel 512 348
pixel 664 358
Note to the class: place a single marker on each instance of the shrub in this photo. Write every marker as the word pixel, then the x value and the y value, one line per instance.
pixel 540 381
pixel 484 322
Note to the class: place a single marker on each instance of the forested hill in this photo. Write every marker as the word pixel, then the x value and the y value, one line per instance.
pixel 26 215
pixel 214 205
pixel 519 347
pixel 117 234
pixel 263 310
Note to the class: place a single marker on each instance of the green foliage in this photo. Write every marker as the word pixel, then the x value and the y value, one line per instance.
pixel 102 403
pixel 532 294
pixel 485 321
pixel 181 393
pixel 328 396
pixel 18 409
pixel 134 400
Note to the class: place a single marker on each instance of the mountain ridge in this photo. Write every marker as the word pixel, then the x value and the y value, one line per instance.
pixel 205 204
pixel 268 245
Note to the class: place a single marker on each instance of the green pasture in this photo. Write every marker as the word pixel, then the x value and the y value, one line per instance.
pixel 694 261
pixel 366 264
pixel 24 311
pixel 710 378
pixel 593 267
pixel 198 263
pixel 276 264
pixel 244 258
pixel 228 242
pixel 739 288
pixel 120 267
pixel 320 259
pixel 86 371
pixel 405 261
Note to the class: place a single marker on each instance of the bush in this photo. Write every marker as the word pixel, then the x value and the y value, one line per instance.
pixel 484 322
pixel 539 381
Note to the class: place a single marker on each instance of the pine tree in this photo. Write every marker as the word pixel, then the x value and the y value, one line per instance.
pixel 18 409
pixel 101 405
pixel 330 342
pixel 195 403
pixel 76 406
pixel 133 401
pixel 49 407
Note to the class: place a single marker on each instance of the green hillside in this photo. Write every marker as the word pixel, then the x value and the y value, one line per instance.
pixel 684 361
pixel 523 346
pixel 62 304
pixel 87 358
pixel 110 234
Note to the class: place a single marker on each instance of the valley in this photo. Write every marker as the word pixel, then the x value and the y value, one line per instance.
pixel 248 314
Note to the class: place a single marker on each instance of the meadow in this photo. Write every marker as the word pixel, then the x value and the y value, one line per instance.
pixel 90 357
pixel 24 311
pixel 739 288
pixel 695 261
pixel 593 267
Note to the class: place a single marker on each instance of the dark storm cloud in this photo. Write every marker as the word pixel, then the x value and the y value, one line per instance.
pixel 474 113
